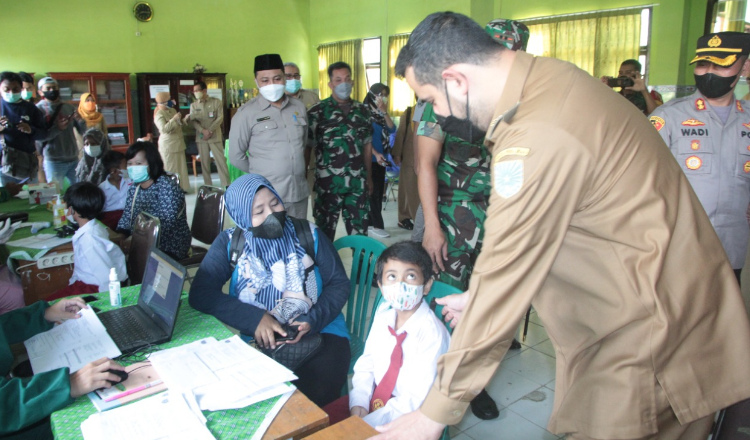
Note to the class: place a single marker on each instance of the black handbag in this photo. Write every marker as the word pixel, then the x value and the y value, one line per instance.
pixel 294 355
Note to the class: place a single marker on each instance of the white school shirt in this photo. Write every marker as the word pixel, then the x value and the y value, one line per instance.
pixel 94 254
pixel 426 340
pixel 114 199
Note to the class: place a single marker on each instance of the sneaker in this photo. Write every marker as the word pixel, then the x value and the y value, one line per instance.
pixel 377 232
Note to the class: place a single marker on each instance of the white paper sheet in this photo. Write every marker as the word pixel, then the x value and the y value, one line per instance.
pixel 72 344
pixel 40 241
pixel 153 90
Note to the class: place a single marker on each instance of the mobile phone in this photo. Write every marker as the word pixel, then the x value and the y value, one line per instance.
pixel 291 333
pixel 622 81
pixel 89 298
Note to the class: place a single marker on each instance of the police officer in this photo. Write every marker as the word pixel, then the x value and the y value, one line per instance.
pixel 341 133
pixel 268 136
pixel 709 134
pixel 206 116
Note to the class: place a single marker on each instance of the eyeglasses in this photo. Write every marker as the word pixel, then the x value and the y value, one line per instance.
pixel 293 76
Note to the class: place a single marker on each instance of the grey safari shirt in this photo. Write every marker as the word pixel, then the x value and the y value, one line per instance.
pixel 716 160
pixel 270 141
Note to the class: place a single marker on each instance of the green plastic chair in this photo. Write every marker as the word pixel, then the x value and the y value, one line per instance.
pixel 365 253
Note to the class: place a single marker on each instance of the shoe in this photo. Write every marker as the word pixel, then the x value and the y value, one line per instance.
pixel 377 232
pixel 484 407
pixel 515 345
pixel 406 224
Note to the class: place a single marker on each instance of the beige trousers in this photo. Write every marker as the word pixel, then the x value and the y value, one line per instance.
pixel 217 148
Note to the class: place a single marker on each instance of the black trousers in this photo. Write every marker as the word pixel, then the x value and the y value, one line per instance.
pixel 376 199
pixel 322 377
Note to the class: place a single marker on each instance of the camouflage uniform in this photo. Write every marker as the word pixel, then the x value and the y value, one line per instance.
pixel 340 176
pixel 463 174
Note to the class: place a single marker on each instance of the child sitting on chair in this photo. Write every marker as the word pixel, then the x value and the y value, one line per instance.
pixel 399 363
pixel 115 188
pixel 93 253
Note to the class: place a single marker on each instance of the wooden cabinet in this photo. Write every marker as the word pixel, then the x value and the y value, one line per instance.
pixel 180 87
pixel 112 94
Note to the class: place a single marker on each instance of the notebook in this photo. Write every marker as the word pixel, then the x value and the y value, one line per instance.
pixel 152 320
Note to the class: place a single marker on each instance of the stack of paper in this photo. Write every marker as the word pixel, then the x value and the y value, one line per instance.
pixel 222 374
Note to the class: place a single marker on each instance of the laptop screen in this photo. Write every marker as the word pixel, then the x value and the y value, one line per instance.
pixel 161 288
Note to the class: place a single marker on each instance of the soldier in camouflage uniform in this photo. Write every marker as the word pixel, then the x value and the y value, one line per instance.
pixel 340 131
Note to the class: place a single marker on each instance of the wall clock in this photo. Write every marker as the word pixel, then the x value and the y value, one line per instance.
pixel 143 11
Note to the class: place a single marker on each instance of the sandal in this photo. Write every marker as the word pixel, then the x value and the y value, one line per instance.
pixel 406 224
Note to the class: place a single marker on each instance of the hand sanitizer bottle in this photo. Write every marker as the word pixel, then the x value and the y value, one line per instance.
pixel 114 289
pixel 58 212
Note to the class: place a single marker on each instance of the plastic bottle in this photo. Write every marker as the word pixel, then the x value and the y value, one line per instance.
pixel 58 213
pixel 115 300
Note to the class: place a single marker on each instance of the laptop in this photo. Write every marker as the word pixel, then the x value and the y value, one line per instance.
pixel 152 320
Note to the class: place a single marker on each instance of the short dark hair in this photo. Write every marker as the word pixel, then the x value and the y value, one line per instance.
pixel 633 63
pixel 85 198
pixel 407 252
pixel 336 66
pixel 442 40
pixel 112 159
pixel 25 77
pixel 10 77
pixel 202 84
pixel 155 164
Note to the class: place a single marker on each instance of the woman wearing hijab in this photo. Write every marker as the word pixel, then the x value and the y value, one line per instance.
pixel 87 110
pixel 382 127
pixel 272 280
pixel 91 168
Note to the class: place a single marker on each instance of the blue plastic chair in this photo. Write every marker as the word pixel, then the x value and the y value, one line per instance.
pixel 365 253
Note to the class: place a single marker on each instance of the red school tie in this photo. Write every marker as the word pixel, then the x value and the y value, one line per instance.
pixel 384 390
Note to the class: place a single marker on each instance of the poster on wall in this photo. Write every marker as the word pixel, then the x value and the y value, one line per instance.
pixel 153 90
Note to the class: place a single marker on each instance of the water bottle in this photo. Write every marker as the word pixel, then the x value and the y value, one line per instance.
pixel 115 300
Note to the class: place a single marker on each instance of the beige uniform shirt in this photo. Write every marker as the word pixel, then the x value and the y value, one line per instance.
pixel 208 115
pixel 171 139
pixel 270 141
pixel 308 97
pixel 592 221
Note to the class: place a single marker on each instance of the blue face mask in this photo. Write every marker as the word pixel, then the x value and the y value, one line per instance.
pixel 293 85
pixel 138 173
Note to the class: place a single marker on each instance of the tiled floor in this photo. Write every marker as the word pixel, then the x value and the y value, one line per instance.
pixel 523 386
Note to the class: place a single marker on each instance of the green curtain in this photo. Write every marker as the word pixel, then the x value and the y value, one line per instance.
pixel 596 42
pixel 402 95
pixel 350 52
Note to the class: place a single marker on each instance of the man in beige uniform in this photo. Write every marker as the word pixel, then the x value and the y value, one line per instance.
pixel 592 221
pixel 206 116
pixel 269 134
pixel 168 121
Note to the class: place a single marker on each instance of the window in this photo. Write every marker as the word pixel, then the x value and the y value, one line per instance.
pixel 371 56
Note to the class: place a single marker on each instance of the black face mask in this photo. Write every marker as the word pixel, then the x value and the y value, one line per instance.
pixel 272 227
pixel 460 128
pixel 51 95
pixel 713 86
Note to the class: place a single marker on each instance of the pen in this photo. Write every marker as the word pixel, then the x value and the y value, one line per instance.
pixel 134 390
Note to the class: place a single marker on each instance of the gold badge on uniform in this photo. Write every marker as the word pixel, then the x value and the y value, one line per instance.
pixel 695 144
pixel 657 122
pixel 700 104
pixel 739 106
pixel 693 123
pixel 747 125
pixel 377 404
pixel 715 41
pixel 746 168
pixel 693 162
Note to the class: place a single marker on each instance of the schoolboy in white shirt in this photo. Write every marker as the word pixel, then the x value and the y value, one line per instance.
pixel 399 363
pixel 115 188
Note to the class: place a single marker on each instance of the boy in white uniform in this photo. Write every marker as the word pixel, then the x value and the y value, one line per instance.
pixel 115 188
pixel 391 380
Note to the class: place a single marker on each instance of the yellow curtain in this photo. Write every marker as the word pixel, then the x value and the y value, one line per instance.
pixel 402 95
pixel 350 52
pixel 597 42
pixel 729 15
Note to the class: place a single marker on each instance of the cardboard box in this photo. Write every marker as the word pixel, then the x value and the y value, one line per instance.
pixel 41 193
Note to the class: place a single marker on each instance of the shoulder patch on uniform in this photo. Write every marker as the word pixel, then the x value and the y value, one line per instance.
pixel 657 122
pixel 693 123
pixel 739 106
pixel 264 118
pixel 516 151
pixel 508 177
pixel 693 162
pixel 700 104
pixel 747 125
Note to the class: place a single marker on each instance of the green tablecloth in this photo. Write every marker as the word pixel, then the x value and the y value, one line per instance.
pixel 191 326
pixel 37 213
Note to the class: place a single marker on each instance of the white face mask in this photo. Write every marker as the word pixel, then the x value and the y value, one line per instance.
pixel 93 150
pixel 402 296
pixel 343 90
pixel 272 92
pixel 198 95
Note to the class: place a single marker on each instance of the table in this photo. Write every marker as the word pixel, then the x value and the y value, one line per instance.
pixel 353 428
pixel 297 418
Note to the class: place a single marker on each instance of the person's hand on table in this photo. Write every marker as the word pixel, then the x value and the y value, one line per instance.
pixel 358 411
pixel 436 246
pixel 411 426
pixel 264 336
pixel 94 376
pixel 66 308
pixel 302 329
pixel 7 229
pixel 453 307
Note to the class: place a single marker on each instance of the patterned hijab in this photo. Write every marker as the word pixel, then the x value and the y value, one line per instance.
pixel 91 169
pixel 267 267
pixel 377 118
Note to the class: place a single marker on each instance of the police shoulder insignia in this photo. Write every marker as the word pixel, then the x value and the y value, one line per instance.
pixel 700 104
pixel 657 122
pixel 508 177
pixel 739 106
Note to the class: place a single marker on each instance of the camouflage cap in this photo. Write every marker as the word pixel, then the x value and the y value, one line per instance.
pixel 510 33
